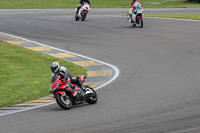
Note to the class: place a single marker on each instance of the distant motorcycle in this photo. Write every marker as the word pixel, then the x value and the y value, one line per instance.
pixel 138 11
pixel 84 11
pixel 64 92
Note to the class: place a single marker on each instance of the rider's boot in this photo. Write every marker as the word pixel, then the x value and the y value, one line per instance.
pixel 78 96
pixel 130 18
pixel 83 88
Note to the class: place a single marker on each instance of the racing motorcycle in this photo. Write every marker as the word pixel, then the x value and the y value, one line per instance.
pixel 84 11
pixel 138 11
pixel 68 94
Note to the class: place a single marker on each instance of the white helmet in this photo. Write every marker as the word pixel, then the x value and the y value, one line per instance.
pixel 54 67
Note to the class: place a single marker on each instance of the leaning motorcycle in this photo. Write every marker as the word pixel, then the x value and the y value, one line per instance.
pixel 68 94
pixel 138 11
pixel 84 11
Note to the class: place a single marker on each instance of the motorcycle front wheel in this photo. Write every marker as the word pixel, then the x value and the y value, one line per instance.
pixel 93 97
pixel 140 22
pixel 84 14
pixel 63 101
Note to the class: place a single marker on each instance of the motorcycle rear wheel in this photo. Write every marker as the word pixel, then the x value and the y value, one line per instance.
pixel 133 24
pixel 91 98
pixel 63 101
pixel 76 17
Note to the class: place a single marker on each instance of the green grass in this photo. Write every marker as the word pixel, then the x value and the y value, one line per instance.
pixel 177 16
pixel 25 75
pixel 172 4
pixel 26 4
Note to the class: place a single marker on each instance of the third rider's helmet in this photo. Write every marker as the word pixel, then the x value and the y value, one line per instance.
pixel 54 67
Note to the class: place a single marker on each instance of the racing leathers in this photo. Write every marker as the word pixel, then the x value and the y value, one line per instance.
pixel 132 11
pixel 65 74
pixel 79 10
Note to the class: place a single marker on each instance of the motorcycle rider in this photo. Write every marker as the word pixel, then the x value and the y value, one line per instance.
pixel 132 12
pixel 65 74
pixel 80 5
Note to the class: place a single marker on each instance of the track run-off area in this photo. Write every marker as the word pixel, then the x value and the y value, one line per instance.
pixel 157 90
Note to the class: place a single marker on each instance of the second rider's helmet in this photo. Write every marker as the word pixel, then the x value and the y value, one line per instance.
pixel 54 67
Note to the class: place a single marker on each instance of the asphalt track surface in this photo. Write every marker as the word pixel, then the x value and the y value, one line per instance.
pixel 157 90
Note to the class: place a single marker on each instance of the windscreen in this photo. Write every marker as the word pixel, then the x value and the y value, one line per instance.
pixel 54 77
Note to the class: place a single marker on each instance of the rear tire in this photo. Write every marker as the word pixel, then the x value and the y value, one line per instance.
pixel 63 101
pixel 76 17
pixel 133 24
pixel 91 98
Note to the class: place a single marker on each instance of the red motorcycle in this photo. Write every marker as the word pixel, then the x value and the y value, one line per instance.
pixel 68 94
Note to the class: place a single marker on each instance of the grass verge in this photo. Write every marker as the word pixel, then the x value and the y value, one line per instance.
pixel 25 75
pixel 171 4
pixel 29 4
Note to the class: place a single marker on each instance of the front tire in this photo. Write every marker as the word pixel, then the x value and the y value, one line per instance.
pixel 91 98
pixel 63 101
pixel 84 14
pixel 140 22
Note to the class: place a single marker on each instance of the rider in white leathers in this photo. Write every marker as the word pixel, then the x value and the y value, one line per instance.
pixel 134 3
pixel 80 9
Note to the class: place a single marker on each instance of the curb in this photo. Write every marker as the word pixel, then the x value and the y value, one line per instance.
pixel 99 73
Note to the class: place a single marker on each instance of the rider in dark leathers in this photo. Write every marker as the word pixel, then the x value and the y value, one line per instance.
pixel 65 74
pixel 81 1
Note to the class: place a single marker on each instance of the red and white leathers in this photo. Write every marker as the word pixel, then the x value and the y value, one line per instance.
pixel 132 5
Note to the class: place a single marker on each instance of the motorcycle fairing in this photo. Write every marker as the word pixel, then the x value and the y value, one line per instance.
pixel 81 78
pixel 55 82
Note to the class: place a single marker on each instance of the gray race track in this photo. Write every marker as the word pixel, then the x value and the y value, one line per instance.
pixel 157 91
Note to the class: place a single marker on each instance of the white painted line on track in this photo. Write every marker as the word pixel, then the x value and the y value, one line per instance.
pixel 114 68
pixel 171 9
pixel 175 19
pixel 20 13
pixel 28 109
pixel 34 11
pixel 185 130
pixel 189 20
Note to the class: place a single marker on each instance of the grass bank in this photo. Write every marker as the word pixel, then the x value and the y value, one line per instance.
pixel 170 4
pixel 30 4
pixel 25 75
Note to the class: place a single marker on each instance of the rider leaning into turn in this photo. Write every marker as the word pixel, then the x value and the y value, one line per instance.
pixel 134 3
pixel 80 5
pixel 64 73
